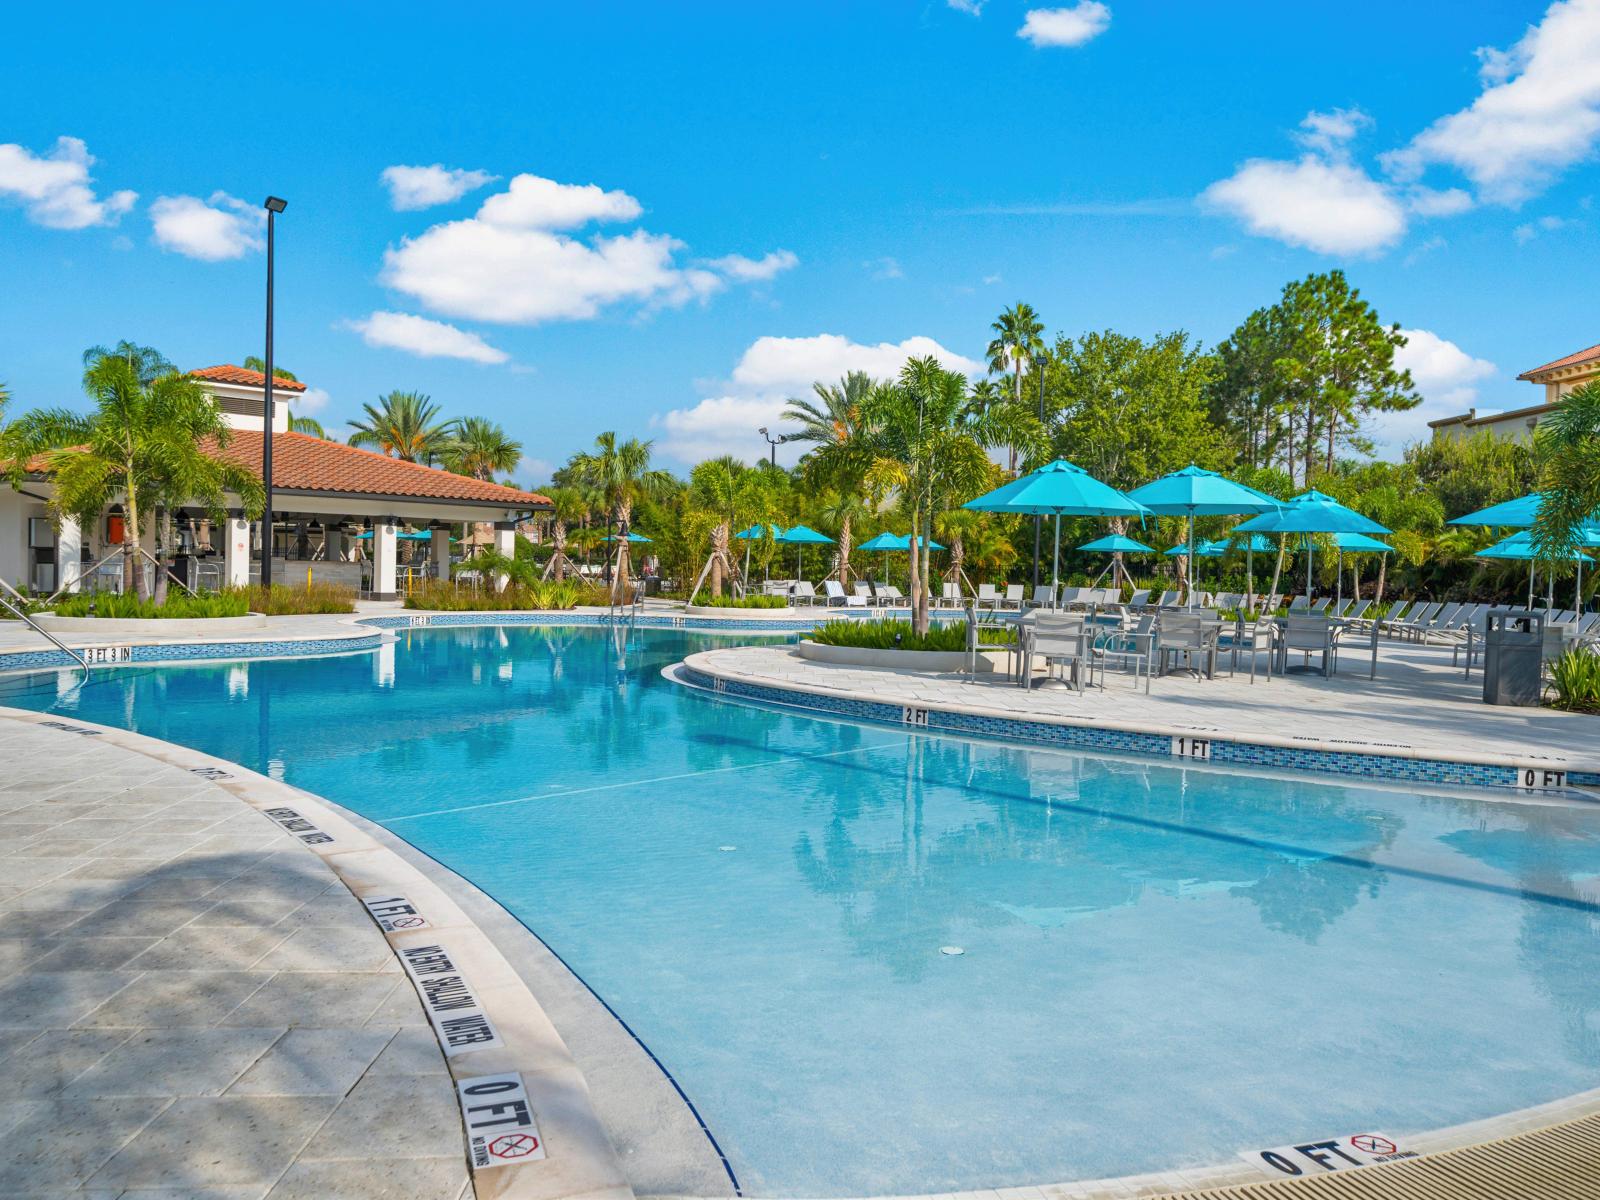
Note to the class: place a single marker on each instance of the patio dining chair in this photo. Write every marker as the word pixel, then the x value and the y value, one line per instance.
pixel 1062 641
pixel 1185 635
pixel 1250 638
pixel 1308 635
pixel 1133 647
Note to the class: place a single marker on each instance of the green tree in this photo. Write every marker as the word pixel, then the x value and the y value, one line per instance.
pixel 567 508
pixel 1246 392
pixel 480 447
pixel 406 425
pixel 1472 473
pixel 1337 368
pixel 1567 445
pixel 145 444
pixel 254 363
pixel 620 471
pixel 309 425
pixel 1018 339
pixel 835 428
pixel 148 363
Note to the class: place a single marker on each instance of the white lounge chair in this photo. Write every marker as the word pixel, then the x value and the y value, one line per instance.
pixel 887 593
pixel 1014 596
pixel 989 596
pixel 802 592
pixel 835 594
pixel 950 593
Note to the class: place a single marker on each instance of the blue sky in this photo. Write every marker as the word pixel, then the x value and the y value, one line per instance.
pixel 663 218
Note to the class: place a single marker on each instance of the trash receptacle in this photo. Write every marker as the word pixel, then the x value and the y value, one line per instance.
pixel 1513 657
pixel 652 585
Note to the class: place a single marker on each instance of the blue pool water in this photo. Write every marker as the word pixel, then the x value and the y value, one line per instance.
pixel 1161 966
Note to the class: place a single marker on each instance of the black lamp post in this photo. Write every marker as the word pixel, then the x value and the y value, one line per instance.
pixel 773 443
pixel 274 206
pixel 1039 361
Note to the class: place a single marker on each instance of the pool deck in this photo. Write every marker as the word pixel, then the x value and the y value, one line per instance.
pixel 197 1002
pixel 1419 706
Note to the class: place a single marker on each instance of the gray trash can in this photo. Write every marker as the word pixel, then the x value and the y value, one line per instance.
pixel 1513 657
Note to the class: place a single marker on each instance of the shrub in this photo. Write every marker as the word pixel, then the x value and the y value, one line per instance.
pixel 704 601
pixel 1575 677
pixel 538 594
pixel 283 600
pixel 898 635
pixel 179 606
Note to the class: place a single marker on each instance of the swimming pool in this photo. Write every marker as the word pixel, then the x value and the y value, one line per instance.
pixel 1160 965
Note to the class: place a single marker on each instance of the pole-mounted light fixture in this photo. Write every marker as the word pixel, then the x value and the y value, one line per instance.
pixel 274 205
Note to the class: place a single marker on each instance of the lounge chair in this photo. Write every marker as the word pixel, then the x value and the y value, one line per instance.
pixel 1358 611
pixel 863 593
pixel 1299 604
pixel 835 594
pixel 1072 597
pixel 887 593
pixel 950 593
pixel 1044 596
pixel 1409 629
pixel 1140 598
pixel 1014 596
pixel 1320 608
pixel 1169 599
pixel 989 597
pixel 803 592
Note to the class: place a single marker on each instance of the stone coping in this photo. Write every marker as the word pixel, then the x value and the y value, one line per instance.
pixel 1534 769
pixel 499 1045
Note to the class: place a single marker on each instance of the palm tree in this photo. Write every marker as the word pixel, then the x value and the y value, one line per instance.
pixel 253 363
pixel 833 423
pixel 1568 448
pixel 406 425
pixel 567 507
pixel 307 425
pixel 148 363
pixel 480 448
pixel 621 472
pixel 1017 341
pixel 143 446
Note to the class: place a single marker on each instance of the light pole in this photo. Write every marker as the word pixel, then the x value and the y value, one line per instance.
pixel 274 206
pixel 1039 361
pixel 773 442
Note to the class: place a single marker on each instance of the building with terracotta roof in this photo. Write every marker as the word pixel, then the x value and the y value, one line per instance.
pixel 1517 425
pixel 338 511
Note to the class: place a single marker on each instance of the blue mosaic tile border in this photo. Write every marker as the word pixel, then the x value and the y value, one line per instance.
pixel 34 660
pixel 1082 737
pixel 437 619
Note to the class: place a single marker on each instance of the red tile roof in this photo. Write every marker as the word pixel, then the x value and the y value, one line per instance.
pixel 304 463
pixel 1571 360
pixel 228 373
pixel 311 464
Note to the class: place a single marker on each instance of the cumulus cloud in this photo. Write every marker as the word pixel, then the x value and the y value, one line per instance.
pixel 310 402
pixel 769 371
pixel 797 362
pixel 211 230
pixel 425 338
pixel 971 7
pixel 1539 112
pixel 54 189
pixel 533 202
pixel 509 263
pixel 1070 26
pixel 1447 377
pixel 1328 206
pixel 1526 232
pixel 883 268
pixel 411 188
pixel 754 270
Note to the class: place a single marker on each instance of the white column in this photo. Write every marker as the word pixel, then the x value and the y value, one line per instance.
pixel 439 544
pixel 69 555
pixel 384 546
pixel 505 542
pixel 335 545
pixel 236 552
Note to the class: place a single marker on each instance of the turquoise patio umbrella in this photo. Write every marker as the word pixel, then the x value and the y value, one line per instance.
pixel 1195 492
pixel 896 542
pixel 1514 514
pixel 1312 512
pixel 1253 544
pixel 632 537
pixel 1520 546
pixel 754 534
pixel 802 535
pixel 1058 489
pixel 1354 543
pixel 1116 543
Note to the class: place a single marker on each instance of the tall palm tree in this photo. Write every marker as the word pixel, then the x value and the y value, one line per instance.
pixel 148 363
pixel 567 508
pixel 480 448
pixel 1568 449
pixel 834 425
pixel 406 425
pixel 621 472
pixel 144 445
pixel 1017 340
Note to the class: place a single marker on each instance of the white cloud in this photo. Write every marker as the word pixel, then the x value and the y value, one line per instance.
pixel 1331 207
pixel 533 471
pixel 411 188
pixel 795 363
pixel 54 188
pixel 883 268
pixel 212 230
pixel 751 270
pixel 1539 112
pixel 1526 232
pixel 769 371
pixel 971 7
pixel 533 202
pixel 1329 132
pixel 425 338
pixel 509 264
pixel 1429 202
pixel 1422 251
pixel 310 402
pixel 1447 377
pixel 1070 26
pixel 991 280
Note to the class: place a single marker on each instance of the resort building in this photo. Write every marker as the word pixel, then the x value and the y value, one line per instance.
pixel 1517 425
pixel 340 513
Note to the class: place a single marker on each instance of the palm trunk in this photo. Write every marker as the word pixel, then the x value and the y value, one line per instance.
pixel 1277 571
pixel 1383 571
pixel 165 526
pixel 914 582
pixel 719 552
pixel 132 577
pixel 844 551
pixel 619 581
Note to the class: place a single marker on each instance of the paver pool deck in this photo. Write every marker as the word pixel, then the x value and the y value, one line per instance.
pixel 196 1004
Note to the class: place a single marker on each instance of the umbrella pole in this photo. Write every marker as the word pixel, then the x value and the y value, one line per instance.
pixel 1188 563
pixel 1530 583
pixel 1338 595
pixel 1311 554
pixel 1250 574
pixel 1055 566
pixel 1577 592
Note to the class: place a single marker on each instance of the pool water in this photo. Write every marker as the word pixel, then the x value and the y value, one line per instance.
pixel 1159 966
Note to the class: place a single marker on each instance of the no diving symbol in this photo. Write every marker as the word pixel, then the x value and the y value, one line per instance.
pixel 408 922
pixel 514 1145
pixel 1373 1144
